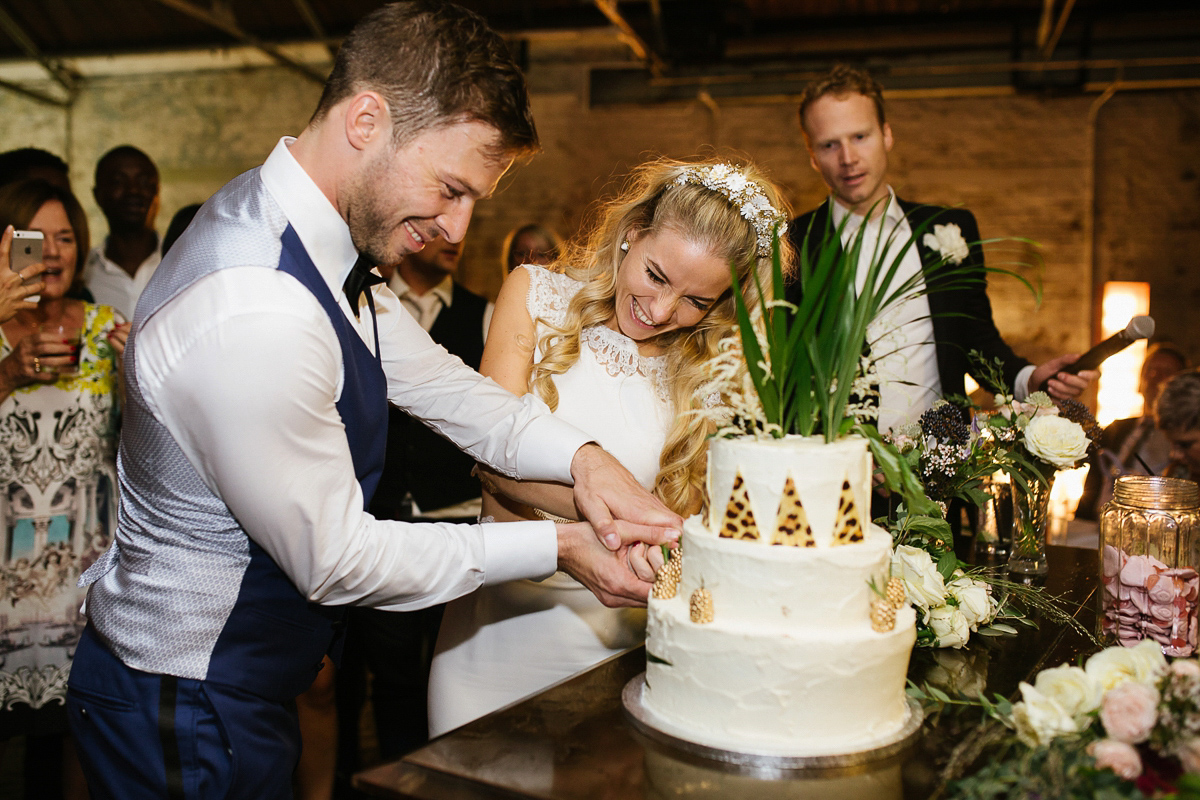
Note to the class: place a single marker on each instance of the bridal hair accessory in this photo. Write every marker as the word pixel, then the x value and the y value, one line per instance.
pixel 744 194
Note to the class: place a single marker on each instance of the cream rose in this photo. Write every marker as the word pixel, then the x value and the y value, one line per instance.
pixel 1057 440
pixel 1074 690
pixel 1148 661
pixel 950 626
pixel 1129 711
pixel 974 600
pixel 1113 666
pixel 922 581
pixel 947 240
pixel 1038 719
pixel 1121 758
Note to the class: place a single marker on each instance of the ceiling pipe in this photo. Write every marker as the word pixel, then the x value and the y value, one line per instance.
pixel 231 28
pixel 641 50
pixel 1048 48
pixel 64 77
pixel 314 24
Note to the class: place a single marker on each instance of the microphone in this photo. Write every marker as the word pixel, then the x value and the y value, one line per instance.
pixel 1140 327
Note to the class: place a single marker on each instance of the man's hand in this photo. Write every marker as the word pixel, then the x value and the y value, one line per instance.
pixel 610 575
pixel 620 510
pixel 1062 385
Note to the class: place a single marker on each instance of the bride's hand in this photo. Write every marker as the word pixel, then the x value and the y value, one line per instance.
pixel 609 574
pixel 645 560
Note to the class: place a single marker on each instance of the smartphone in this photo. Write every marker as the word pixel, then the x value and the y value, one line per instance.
pixel 26 250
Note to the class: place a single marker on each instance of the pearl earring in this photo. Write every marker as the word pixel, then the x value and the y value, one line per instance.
pixel 625 246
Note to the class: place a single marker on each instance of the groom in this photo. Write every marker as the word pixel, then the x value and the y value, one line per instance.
pixel 254 427
pixel 921 346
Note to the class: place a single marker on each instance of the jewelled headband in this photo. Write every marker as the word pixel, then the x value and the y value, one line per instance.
pixel 744 194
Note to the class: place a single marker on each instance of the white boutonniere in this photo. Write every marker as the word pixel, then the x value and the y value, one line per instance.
pixel 948 241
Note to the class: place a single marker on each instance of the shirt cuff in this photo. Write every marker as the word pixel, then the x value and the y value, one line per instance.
pixel 517 550
pixel 1021 384
pixel 547 448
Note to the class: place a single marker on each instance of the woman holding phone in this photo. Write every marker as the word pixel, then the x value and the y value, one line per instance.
pixel 59 363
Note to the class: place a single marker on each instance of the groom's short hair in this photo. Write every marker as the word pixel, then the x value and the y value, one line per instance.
pixel 1178 406
pixel 436 64
pixel 839 82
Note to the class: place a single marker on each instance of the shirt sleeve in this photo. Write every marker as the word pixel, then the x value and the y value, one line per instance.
pixel 243 369
pixel 517 436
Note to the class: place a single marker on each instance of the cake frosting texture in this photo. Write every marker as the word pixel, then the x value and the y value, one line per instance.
pixel 789 663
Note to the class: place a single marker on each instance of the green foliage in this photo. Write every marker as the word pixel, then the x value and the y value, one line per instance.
pixel 1062 770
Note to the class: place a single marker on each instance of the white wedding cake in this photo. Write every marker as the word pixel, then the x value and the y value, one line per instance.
pixel 768 641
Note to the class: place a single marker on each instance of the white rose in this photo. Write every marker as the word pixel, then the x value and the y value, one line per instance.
pixel 974 600
pixel 948 240
pixel 950 625
pixel 1038 718
pixel 922 581
pixel 1149 663
pixel 1073 689
pixel 1056 439
pixel 1113 666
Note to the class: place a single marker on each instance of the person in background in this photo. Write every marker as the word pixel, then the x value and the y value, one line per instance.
pixel 1177 414
pixel 921 344
pixel 32 162
pixel 615 339
pixel 183 217
pixel 126 190
pixel 534 243
pixel 1133 446
pixel 58 409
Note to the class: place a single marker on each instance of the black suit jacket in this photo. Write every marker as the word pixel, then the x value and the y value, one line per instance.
pixel 962 317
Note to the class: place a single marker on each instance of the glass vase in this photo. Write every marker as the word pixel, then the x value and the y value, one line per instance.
pixel 1031 515
pixel 994 529
pixel 1149 556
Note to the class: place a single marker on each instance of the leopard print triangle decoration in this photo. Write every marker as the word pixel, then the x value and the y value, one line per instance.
pixel 791 523
pixel 739 519
pixel 847 528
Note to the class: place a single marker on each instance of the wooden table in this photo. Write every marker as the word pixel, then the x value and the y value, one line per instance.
pixel 572 741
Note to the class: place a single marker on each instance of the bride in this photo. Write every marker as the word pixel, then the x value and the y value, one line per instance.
pixel 614 338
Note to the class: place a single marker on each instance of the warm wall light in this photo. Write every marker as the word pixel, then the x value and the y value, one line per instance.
pixel 1117 395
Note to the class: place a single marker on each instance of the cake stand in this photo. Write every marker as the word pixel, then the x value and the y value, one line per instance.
pixel 651 725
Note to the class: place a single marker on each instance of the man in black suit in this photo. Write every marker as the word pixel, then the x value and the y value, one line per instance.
pixel 921 346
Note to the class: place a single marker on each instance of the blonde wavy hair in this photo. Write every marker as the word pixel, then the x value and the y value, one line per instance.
pixel 652 201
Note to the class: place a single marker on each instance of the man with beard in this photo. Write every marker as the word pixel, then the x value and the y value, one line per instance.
pixel 254 427
pixel 118 269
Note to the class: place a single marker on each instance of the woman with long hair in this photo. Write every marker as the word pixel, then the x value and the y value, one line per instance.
pixel 58 427
pixel 614 338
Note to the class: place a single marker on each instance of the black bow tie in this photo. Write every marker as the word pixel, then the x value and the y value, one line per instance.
pixel 360 280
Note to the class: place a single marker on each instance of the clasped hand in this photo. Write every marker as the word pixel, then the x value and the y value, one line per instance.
pixel 37 358
pixel 621 577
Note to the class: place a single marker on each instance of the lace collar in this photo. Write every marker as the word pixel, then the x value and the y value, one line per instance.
pixel 618 354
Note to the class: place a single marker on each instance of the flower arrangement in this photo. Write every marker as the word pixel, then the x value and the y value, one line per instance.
pixel 950 607
pixel 1123 725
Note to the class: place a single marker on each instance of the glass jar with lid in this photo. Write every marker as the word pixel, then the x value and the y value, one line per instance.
pixel 1149 556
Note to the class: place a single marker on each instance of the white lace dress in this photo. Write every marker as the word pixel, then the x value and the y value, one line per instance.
pixel 508 641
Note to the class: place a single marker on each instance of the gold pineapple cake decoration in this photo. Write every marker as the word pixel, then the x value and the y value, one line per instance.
pixel 791 523
pixel 847 528
pixel 666 583
pixel 701 606
pixel 739 519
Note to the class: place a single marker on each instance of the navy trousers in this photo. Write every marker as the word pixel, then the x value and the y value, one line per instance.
pixel 143 736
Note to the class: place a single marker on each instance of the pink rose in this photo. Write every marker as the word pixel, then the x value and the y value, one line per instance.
pixel 1117 756
pixel 1189 754
pixel 1128 712
pixel 1186 668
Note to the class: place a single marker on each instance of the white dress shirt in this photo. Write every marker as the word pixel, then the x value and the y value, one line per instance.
pixel 244 368
pixel 113 286
pixel 426 307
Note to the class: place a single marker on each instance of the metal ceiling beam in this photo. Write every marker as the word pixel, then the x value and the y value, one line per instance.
pixel 230 27
pixel 61 74
pixel 314 25
pixel 1048 47
pixel 631 38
